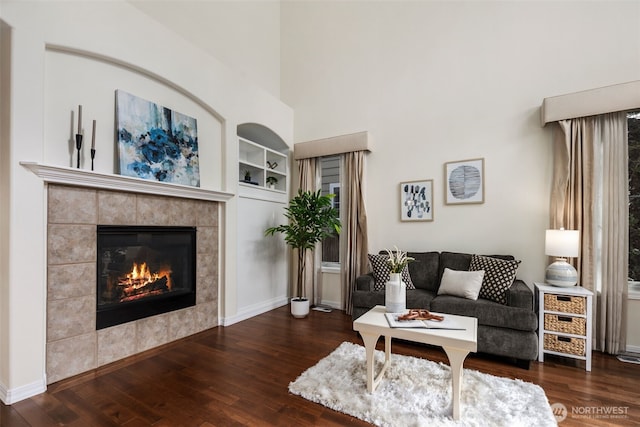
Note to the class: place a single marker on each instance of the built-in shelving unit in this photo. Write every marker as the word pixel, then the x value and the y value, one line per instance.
pixel 262 165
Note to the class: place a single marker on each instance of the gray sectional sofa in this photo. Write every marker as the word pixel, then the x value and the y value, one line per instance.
pixel 507 330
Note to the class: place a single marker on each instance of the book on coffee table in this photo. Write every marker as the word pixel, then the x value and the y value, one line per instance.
pixel 446 323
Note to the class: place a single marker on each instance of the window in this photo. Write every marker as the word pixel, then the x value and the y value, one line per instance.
pixel 330 173
pixel 633 121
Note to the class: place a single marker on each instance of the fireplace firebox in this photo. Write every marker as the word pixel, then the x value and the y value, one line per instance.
pixel 143 271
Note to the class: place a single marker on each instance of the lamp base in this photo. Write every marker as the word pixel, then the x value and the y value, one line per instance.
pixel 561 274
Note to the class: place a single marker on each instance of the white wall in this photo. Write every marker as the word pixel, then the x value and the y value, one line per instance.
pixel 244 35
pixel 434 82
pixel 633 320
pixel 69 53
pixel 262 267
pixel 5 56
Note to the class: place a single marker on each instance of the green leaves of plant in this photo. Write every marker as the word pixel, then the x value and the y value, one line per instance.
pixel 311 219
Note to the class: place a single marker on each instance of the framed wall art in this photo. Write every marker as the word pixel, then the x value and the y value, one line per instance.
pixel 416 200
pixel 155 142
pixel 464 182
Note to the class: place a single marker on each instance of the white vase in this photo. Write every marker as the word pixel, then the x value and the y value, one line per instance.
pixel 299 307
pixel 395 294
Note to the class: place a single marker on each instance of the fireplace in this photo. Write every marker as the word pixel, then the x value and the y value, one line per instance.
pixel 143 271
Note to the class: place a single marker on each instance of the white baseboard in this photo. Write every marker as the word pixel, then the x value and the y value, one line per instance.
pixel 336 305
pixel 14 395
pixel 254 310
pixel 633 348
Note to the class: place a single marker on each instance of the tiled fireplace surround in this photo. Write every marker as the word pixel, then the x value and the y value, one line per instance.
pixel 73 344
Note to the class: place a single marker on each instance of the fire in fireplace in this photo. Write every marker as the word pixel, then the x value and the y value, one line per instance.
pixel 144 271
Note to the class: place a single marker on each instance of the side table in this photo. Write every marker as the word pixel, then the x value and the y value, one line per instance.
pixel 565 316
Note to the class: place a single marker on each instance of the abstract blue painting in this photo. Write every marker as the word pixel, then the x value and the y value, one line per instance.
pixel 155 142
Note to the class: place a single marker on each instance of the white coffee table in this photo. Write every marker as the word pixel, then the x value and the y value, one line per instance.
pixel 456 343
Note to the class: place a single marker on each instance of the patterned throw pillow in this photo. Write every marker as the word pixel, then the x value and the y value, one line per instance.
pixel 381 272
pixel 499 274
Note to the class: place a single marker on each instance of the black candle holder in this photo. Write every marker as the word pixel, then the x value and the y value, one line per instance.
pixel 78 147
pixel 93 155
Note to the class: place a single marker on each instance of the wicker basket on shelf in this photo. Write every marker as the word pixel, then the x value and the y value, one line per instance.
pixel 561 344
pixel 565 303
pixel 566 324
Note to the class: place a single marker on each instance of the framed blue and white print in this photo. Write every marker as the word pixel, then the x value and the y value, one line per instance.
pixel 416 200
pixel 464 182
pixel 155 142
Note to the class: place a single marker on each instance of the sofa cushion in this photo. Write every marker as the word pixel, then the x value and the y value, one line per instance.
pixel 498 276
pixel 424 270
pixel 464 284
pixel 487 312
pixel 416 298
pixel 453 261
pixel 381 272
pixel 420 298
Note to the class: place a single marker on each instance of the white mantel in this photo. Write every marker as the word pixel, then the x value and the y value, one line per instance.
pixel 85 178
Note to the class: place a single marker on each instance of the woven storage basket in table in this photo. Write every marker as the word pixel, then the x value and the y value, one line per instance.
pixel 565 303
pixel 567 324
pixel 568 345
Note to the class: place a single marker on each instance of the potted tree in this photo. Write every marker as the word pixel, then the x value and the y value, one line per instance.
pixel 311 219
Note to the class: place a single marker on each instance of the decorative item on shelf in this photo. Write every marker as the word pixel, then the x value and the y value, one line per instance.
pixel 395 290
pixel 311 218
pixel 247 178
pixel 272 165
pixel 93 144
pixel 272 181
pixel 79 136
pixel 562 244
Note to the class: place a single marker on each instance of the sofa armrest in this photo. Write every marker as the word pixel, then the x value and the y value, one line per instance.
pixel 519 295
pixel 365 282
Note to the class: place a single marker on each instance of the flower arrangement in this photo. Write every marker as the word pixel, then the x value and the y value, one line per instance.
pixel 398 260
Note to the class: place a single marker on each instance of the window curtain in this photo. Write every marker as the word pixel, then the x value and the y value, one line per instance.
pixel 590 194
pixel 353 239
pixel 307 181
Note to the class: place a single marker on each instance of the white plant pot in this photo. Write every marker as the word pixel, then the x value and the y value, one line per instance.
pixel 272 186
pixel 299 307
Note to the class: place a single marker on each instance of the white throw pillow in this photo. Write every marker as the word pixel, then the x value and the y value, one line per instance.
pixel 465 284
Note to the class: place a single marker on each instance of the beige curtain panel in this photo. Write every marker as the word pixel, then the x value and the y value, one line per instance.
pixel 354 241
pixel 590 194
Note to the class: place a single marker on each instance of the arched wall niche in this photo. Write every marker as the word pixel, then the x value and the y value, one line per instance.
pixel 79 77
pixel 262 135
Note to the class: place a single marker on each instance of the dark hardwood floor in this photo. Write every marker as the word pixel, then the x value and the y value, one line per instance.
pixel 238 376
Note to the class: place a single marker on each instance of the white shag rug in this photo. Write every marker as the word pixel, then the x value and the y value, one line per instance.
pixel 417 392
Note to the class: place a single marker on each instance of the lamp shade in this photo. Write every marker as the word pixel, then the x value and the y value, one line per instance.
pixel 562 243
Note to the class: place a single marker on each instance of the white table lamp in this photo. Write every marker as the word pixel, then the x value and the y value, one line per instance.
pixel 562 244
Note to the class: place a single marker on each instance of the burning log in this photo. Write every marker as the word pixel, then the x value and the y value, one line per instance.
pixel 141 283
